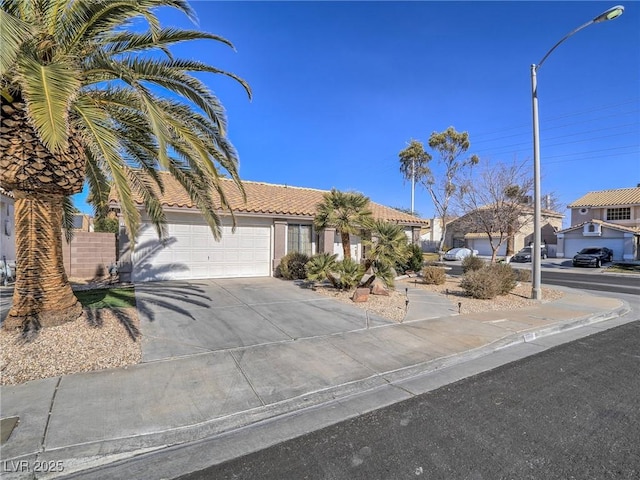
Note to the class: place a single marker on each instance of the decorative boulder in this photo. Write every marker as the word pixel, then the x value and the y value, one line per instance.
pixel 379 288
pixel 360 295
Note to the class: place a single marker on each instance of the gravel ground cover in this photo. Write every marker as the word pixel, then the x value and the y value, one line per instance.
pixel 393 306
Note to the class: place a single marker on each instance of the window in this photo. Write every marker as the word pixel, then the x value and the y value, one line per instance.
pixel 299 239
pixel 77 221
pixel 619 213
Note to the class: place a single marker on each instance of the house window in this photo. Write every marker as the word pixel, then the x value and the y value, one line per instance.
pixel 619 213
pixel 77 221
pixel 299 239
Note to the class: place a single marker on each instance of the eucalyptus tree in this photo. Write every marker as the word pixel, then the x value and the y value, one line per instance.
pixel 451 146
pixel 88 98
pixel 347 212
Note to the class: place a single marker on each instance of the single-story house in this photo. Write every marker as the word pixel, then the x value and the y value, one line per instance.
pixel 604 218
pixel 274 220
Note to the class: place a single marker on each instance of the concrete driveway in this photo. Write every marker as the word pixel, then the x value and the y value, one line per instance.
pixel 181 318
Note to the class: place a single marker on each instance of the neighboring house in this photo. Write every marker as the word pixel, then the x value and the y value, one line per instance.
pixel 83 222
pixel 7 221
pixel 275 220
pixel 606 218
pixel 459 234
pixel 431 234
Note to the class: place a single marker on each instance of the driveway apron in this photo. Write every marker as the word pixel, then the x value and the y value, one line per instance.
pixel 181 318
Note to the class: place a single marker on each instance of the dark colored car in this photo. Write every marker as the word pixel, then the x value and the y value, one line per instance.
pixel 592 257
pixel 526 253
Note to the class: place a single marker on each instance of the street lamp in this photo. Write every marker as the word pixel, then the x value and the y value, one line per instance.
pixel 536 292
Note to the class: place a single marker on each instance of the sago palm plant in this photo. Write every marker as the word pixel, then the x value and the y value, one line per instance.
pixel 86 98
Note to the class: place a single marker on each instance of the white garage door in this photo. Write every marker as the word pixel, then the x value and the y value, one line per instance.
pixel 483 245
pixel 191 252
pixel 574 245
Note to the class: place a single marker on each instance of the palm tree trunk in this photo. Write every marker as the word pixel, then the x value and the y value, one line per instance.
pixel 42 293
pixel 346 244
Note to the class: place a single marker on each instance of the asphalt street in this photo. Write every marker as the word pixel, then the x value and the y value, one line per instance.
pixel 569 412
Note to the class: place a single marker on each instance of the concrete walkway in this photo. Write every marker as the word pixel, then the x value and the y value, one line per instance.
pixel 275 350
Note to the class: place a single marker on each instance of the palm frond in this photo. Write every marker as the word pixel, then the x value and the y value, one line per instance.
pixel 48 90
pixel 68 212
pixel 13 32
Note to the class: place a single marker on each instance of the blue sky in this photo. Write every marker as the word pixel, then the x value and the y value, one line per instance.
pixel 341 87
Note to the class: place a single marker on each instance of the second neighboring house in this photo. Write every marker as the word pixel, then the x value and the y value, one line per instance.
pixel 275 220
pixel 458 234
pixel 606 218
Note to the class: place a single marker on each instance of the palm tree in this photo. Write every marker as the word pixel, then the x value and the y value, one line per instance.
pixel 347 212
pixel 389 245
pixel 84 97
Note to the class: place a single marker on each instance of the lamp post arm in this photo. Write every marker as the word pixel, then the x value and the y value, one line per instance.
pixel 570 34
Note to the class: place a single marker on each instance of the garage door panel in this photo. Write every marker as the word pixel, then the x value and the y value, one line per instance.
pixel 192 252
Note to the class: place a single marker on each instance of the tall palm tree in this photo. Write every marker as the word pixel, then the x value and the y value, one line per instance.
pixel 87 98
pixel 347 212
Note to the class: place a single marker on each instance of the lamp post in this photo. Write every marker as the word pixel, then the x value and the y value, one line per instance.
pixel 536 292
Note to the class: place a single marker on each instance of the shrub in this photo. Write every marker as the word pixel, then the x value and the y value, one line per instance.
pixel 415 260
pixel 350 273
pixel 480 284
pixel 472 263
pixel 490 281
pixel 292 266
pixel 506 276
pixel 322 266
pixel 522 275
pixel 434 275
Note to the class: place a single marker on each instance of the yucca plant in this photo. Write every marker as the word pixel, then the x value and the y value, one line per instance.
pixel 85 98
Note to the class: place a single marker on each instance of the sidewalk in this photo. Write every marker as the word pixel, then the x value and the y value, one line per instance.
pixel 86 420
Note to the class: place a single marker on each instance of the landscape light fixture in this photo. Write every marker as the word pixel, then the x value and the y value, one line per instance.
pixel 536 291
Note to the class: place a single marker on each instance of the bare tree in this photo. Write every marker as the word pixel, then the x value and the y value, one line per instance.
pixel 494 203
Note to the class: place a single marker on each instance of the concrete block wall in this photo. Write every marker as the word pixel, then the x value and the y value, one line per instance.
pixel 89 255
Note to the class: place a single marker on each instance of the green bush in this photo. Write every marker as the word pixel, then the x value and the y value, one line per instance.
pixel 414 263
pixel 322 266
pixel 350 272
pixel 480 284
pixel 472 263
pixel 292 266
pixel 434 275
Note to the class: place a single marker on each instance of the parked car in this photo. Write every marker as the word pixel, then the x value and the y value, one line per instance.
pixel 459 253
pixel 592 257
pixel 526 253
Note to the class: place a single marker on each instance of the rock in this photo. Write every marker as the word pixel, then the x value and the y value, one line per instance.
pixel 378 288
pixel 360 295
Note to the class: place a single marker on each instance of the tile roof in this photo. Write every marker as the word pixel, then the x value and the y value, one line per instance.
pixel 6 193
pixel 605 198
pixel 615 226
pixel 270 199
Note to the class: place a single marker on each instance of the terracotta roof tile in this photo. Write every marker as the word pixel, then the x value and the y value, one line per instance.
pixel 605 198
pixel 270 199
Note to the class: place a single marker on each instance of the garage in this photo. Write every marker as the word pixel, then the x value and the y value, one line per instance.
pixel 190 251
pixel 483 246
pixel 574 245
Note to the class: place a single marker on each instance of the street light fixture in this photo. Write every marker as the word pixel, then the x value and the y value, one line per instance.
pixel 536 291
